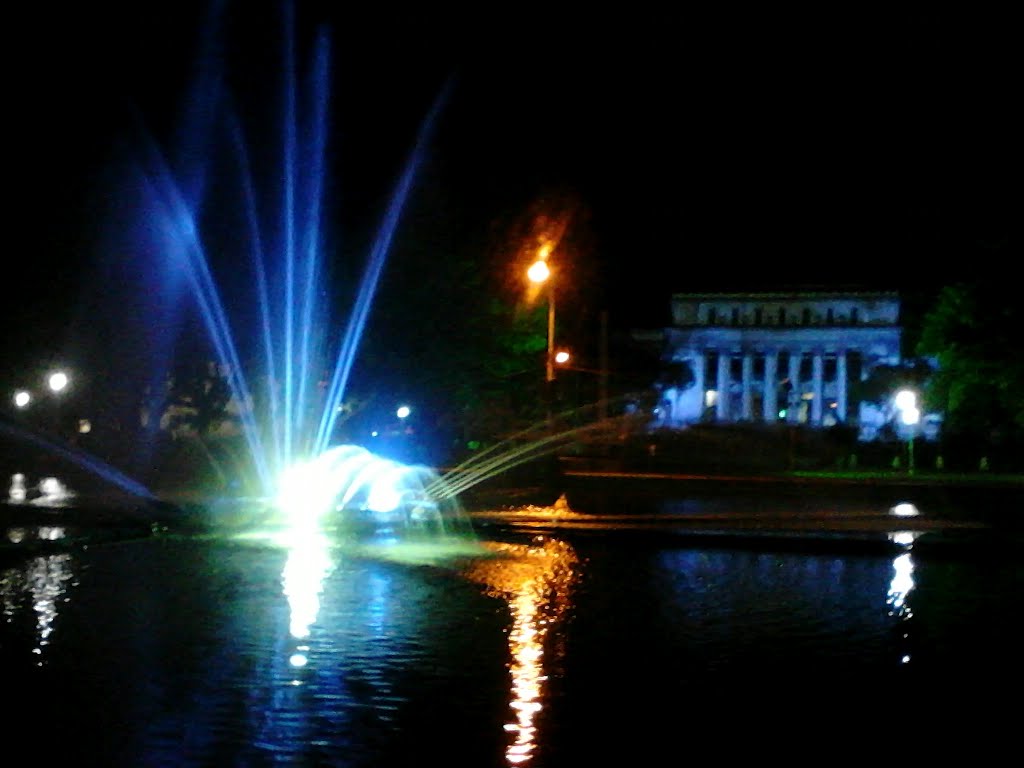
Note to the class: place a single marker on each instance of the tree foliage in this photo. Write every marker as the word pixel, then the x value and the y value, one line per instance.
pixel 884 381
pixel 975 331
pixel 454 324
pixel 198 397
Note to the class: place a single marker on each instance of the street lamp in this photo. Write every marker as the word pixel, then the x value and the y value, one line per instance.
pixel 540 273
pixel 58 382
pixel 906 403
pixel 22 398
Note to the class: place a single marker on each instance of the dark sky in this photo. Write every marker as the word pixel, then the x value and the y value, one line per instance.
pixel 714 149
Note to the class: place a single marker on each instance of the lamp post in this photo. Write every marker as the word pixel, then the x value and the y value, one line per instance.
pixel 58 382
pixel 906 403
pixel 540 274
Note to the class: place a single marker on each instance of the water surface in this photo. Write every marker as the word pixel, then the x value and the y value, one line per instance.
pixel 525 649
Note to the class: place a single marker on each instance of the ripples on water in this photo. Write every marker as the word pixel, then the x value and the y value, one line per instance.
pixel 531 651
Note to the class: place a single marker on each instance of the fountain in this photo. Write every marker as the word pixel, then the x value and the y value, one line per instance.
pixel 247 279
pixel 227 263
pixel 290 402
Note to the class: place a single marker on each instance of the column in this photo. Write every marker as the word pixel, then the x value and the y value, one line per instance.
pixel 748 390
pixel 722 403
pixel 698 364
pixel 841 385
pixel 771 405
pixel 817 382
pixel 792 409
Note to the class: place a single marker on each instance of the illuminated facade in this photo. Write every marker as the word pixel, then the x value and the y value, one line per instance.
pixel 774 357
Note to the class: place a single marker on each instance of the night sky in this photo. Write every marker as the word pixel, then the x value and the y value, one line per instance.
pixel 712 149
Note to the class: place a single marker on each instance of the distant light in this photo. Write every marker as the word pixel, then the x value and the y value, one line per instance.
pixel 22 398
pixel 904 509
pixel 782 413
pixel 403 411
pixel 561 357
pixel 906 399
pixel 373 433
pixel 84 426
pixel 910 416
pixel 904 538
pixel 710 397
pixel 58 381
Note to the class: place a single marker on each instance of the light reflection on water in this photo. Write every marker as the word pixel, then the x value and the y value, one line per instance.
pixel 308 564
pixel 311 650
pixel 536 580
pixel 43 582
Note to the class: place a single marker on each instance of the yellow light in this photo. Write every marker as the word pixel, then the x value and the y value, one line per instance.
pixel 538 272
pixel 562 357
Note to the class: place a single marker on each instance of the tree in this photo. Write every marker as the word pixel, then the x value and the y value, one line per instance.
pixel 451 326
pixel 884 381
pixel 198 397
pixel 975 332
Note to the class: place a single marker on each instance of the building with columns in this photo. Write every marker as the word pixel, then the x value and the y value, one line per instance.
pixel 776 357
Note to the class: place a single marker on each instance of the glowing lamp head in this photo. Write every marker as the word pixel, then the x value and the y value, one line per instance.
pixel 22 399
pixel 910 416
pixel 906 399
pixel 562 357
pixel 58 381
pixel 538 272
pixel 403 412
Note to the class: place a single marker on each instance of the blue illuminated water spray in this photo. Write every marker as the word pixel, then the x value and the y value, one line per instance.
pixel 303 382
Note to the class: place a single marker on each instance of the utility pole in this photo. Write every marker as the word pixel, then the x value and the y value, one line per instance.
pixel 602 381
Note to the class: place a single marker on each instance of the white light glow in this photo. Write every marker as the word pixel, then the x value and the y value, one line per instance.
pixel 58 381
pixel 904 509
pixel 903 538
pixel 902 583
pixel 307 566
pixel 403 412
pixel 22 398
pixel 906 399
pixel 384 496
pixel 44 581
pixel 18 491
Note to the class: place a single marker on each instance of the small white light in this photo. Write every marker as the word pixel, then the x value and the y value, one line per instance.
pixel 58 381
pixel 906 399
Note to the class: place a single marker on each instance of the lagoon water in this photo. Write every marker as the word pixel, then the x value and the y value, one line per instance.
pixel 570 646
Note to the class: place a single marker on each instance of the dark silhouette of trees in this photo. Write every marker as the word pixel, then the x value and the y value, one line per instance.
pixel 975 331
pixel 198 397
